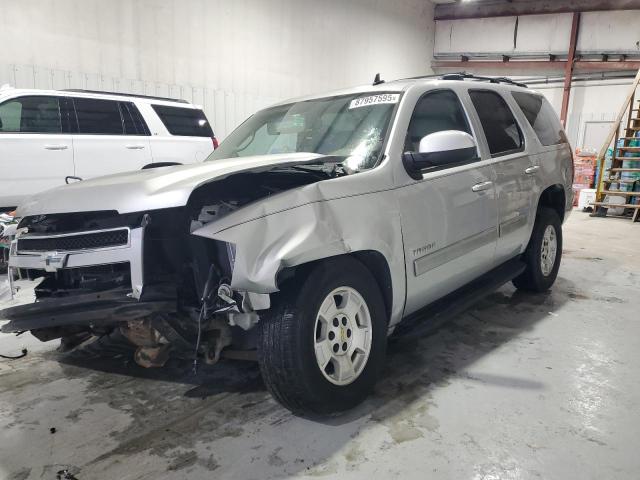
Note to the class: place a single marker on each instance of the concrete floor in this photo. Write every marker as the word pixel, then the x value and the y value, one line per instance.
pixel 520 386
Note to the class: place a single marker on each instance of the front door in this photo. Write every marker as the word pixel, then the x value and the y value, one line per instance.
pixel 449 217
pixel 36 153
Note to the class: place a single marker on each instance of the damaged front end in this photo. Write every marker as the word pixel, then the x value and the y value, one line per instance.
pixel 144 274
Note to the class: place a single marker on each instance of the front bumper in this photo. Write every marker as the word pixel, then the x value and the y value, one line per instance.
pixel 51 261
pixel 93 309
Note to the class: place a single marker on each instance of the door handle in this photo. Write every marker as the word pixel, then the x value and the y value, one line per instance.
pixel 532 170
pixel 134 147
pixel 56 147
pixel 480 187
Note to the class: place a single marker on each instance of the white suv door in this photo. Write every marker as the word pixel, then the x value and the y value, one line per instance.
pixel 449 216
pixel 101 144
pixel 36 153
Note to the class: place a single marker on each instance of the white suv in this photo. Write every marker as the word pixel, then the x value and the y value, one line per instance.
pixel 49 137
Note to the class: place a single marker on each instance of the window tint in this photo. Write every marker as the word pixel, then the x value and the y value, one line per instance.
pixel 499 124
pixel 435 112
pixel 98 116
pixel 189 122
pixel 134 124
pixel 541 117
pixel 31 114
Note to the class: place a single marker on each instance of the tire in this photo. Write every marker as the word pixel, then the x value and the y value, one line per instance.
pixel 537 276
pixel 293 330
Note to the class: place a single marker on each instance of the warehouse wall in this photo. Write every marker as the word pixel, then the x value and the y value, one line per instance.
pixel 593 105
pixel 232 57
pixel 599 31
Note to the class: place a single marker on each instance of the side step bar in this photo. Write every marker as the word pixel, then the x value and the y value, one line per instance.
pixel 429 318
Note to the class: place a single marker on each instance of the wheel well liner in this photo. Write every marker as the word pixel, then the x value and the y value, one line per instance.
pixel 554 197
pixel 373 260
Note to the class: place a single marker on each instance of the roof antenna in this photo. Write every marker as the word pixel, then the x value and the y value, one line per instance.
pixel 376 80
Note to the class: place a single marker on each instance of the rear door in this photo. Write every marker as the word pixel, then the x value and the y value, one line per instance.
pixel 106 140
pixel 190 138
pixel 513 166
pixel 36 150
pixel 449 216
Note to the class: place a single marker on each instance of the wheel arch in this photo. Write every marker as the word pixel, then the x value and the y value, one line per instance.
pixel 553 197
pixel 160 164
pixel 373 260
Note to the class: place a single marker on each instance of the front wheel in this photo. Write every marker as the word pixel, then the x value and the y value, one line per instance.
pixel 543 253
pixel 323 346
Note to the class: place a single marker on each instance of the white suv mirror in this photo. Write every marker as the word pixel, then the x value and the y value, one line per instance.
pixel 440 150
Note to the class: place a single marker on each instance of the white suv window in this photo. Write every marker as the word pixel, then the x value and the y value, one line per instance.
pixel 36 114
pixel 185 122
pixel 500 126
pixel 96 116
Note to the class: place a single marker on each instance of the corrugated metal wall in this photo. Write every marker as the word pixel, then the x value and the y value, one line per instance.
pixel 231 56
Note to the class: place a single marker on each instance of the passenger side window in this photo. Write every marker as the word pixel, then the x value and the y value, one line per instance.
pixel 98 116
pixel 500 127
pixel 31 115
pixel 134 124
pixel 435 112
pixel 541 117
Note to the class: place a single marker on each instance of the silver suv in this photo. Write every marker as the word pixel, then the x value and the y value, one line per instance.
pixel 316 229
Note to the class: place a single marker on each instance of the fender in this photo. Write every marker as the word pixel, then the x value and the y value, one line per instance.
pixel 313 231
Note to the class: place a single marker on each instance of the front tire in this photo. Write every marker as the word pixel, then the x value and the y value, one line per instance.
pixel 323 345
pixel 543 253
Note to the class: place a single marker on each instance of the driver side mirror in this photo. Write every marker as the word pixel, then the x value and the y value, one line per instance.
pixel 448 148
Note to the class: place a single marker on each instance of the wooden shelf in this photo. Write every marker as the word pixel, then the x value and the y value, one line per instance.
pixel 612 205
pixel 621 193
pixel 617 180
pixel 622 169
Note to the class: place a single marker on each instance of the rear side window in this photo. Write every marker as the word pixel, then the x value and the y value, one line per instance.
pixel 98 116
pixel 37 114
pixel 188 122
pixel 134 124
pixel 500 127
pixel 541 117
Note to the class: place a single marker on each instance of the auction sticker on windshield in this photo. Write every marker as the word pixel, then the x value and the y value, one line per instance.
pixel 374 100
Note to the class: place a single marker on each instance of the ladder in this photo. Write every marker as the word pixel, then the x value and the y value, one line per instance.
pixel 615 174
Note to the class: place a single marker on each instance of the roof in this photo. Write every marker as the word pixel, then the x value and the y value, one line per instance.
pixel 94 94
pixel 403 84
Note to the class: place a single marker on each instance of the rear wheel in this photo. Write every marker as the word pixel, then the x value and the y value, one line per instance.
pixel 543 253
pixel 323 346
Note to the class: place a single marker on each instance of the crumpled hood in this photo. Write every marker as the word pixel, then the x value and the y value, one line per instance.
pixel 151 189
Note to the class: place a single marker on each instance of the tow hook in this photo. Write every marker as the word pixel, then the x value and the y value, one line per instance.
pixel 226 294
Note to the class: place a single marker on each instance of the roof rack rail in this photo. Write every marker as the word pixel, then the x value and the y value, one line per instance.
pixel 470 76
pixel 166 99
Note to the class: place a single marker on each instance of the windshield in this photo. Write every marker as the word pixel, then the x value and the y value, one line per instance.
pixel 352 127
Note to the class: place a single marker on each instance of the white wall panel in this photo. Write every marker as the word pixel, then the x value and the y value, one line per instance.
pixel 534 33
pixel 543 33
pixel 491 35
pixel 244 53
pixel 609 31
